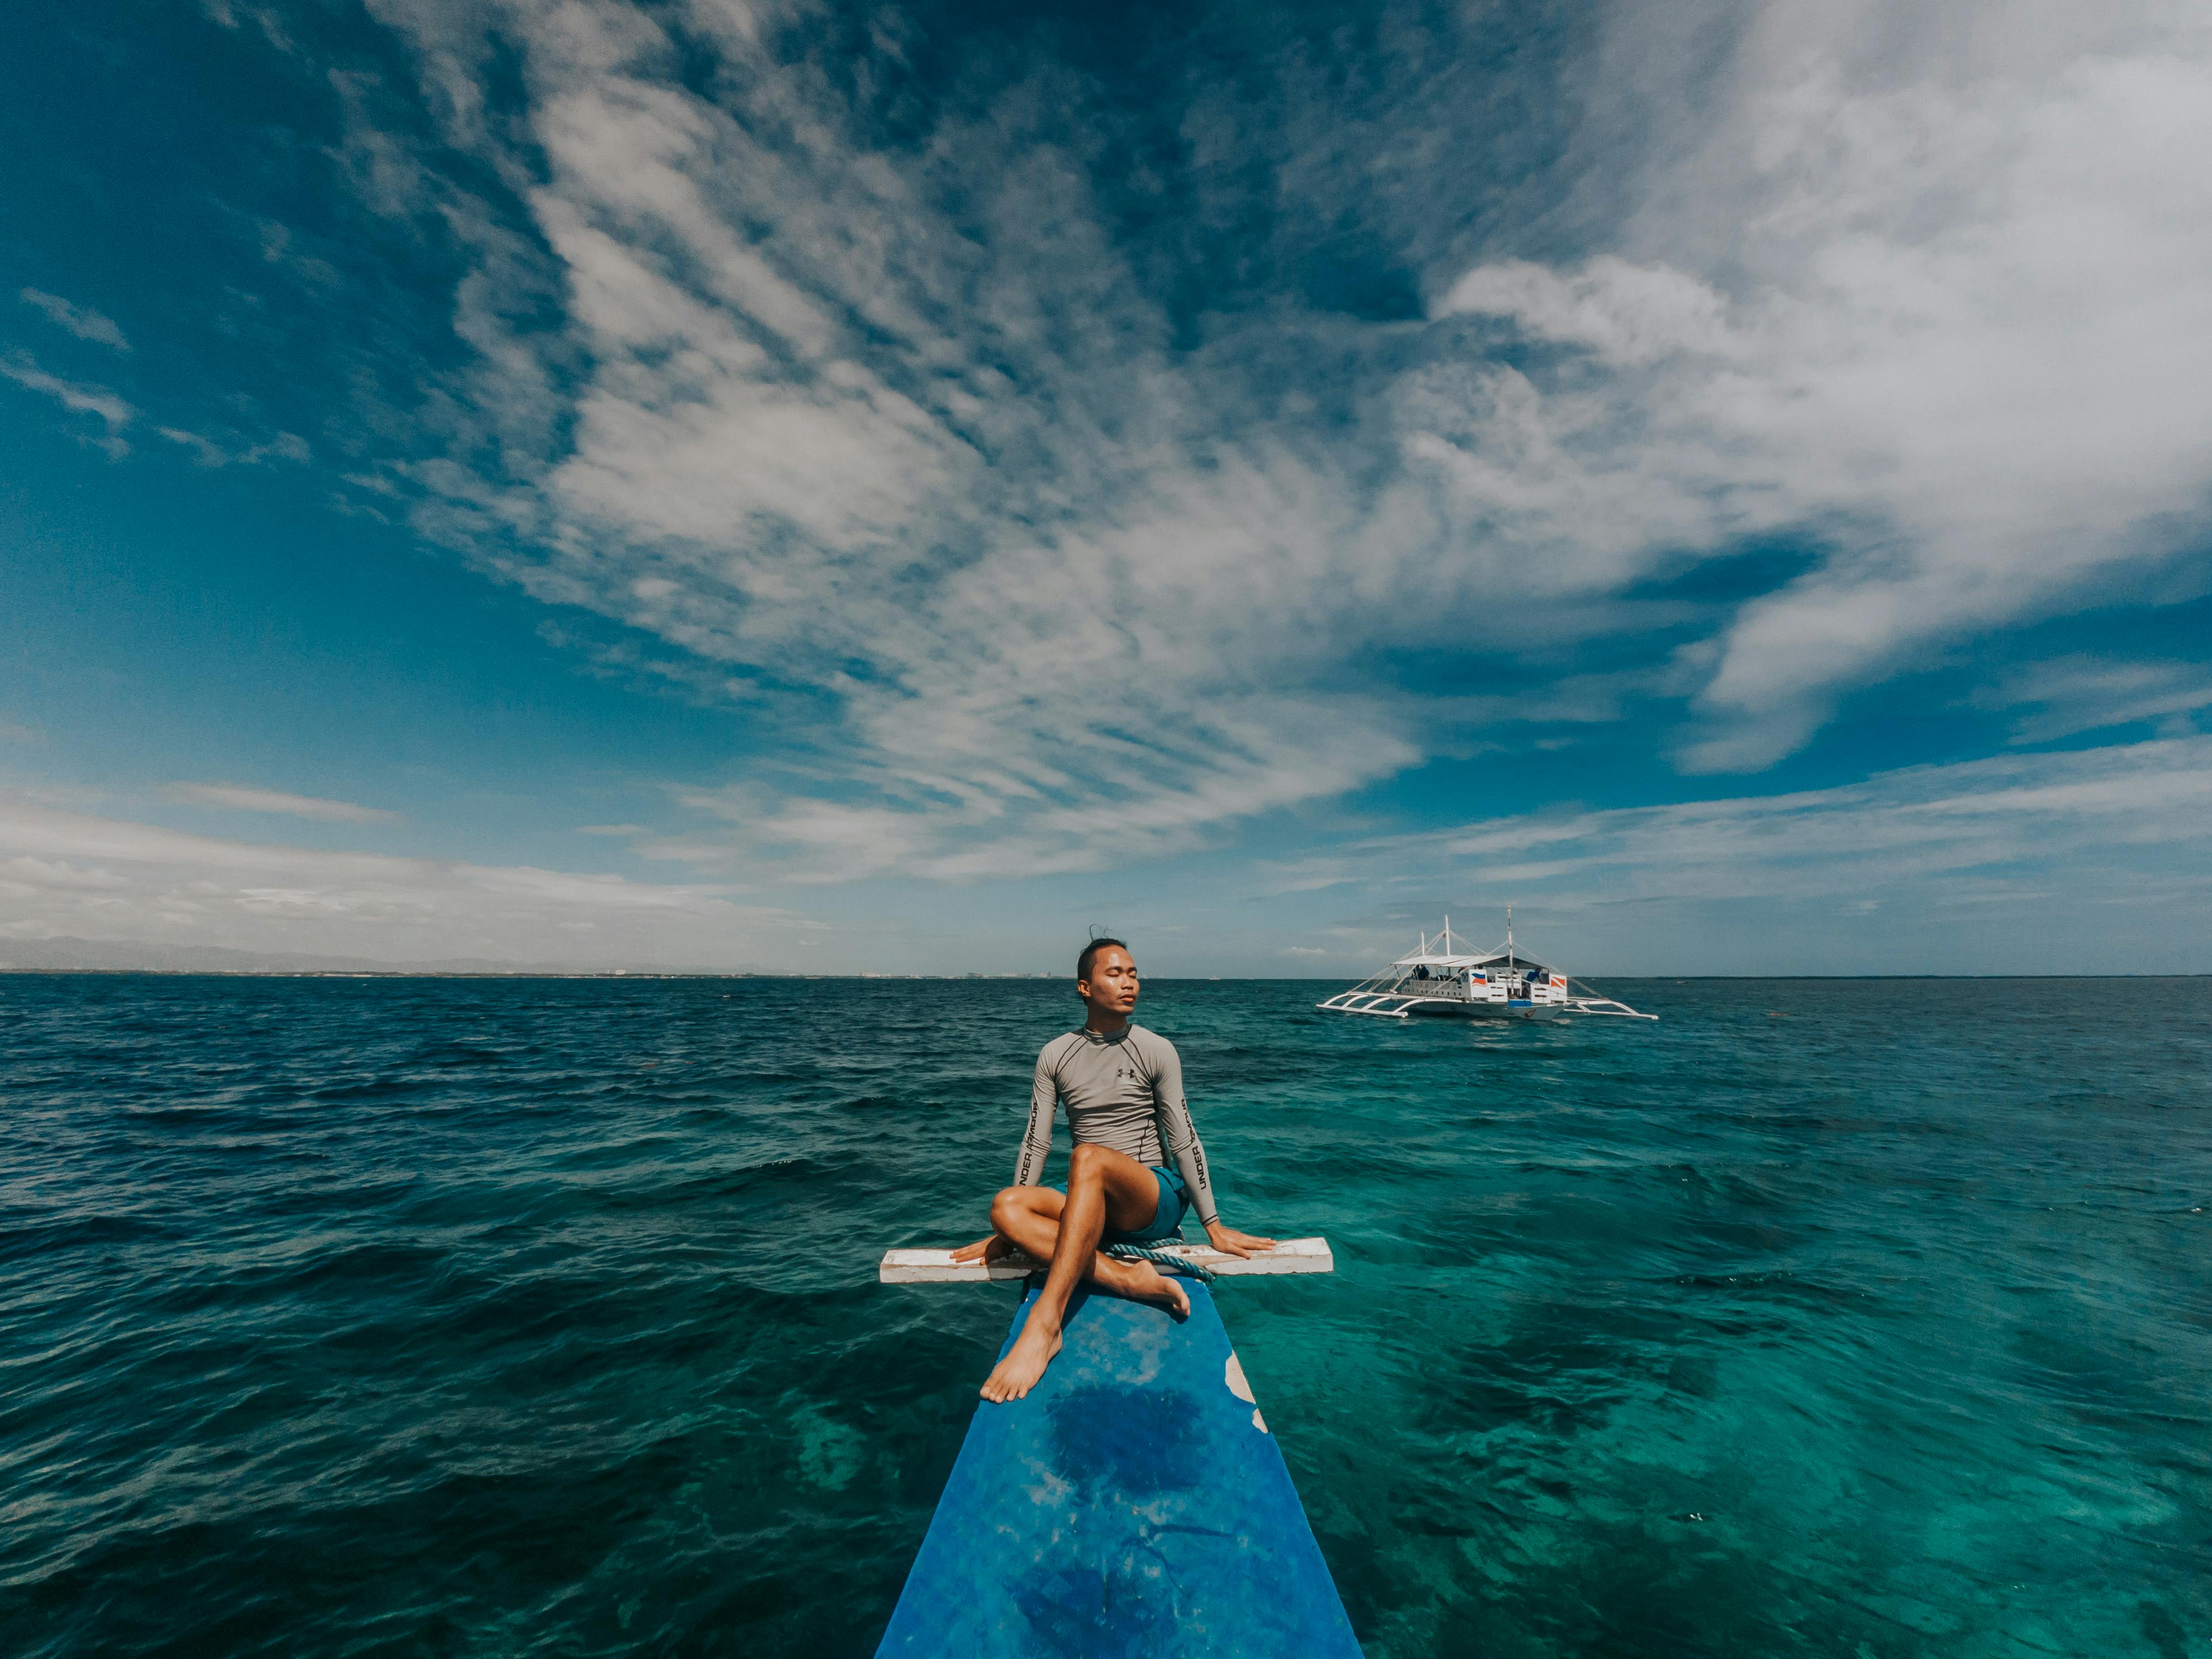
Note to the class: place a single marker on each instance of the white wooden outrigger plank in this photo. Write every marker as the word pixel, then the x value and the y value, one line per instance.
pixel 1290 1255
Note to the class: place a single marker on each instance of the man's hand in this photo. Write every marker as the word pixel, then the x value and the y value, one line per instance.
pixel 980 1250
pixel 1229 1242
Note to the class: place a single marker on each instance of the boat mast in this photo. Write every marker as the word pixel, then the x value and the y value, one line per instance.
pixel 1508 936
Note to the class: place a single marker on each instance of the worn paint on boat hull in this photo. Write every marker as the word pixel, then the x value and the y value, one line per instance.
pixel 1134 1506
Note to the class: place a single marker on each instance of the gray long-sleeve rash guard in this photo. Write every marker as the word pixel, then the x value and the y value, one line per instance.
pixel 1124 1092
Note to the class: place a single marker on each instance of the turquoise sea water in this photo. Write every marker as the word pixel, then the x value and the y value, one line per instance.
pixel 475 1317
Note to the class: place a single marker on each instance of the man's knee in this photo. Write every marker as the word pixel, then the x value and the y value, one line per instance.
pixel 1006 1204
pixel 1086 1163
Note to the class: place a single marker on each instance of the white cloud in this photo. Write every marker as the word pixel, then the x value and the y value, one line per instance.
pixel 939 475
pixel 69 874
pixel 1928 286
pixel 235 797
pixel 78 399
pixel 2089 694
pixel 899 444
pixel 29 874
pixel 2089 862
pixel 2013 818
pixel 283 446
pixel 81 320
pixel 114 412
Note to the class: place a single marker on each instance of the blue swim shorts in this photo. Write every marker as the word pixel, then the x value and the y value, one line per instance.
pixel 1167 1220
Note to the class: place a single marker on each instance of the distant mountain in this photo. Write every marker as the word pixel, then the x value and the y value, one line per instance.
pixel 51 956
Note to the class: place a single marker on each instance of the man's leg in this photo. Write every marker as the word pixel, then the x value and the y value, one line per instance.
pixel 1103 1188
pixel 1027 1219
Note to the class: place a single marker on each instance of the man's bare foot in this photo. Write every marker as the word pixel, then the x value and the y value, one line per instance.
pixel 1140 1281
pixel 1018 1373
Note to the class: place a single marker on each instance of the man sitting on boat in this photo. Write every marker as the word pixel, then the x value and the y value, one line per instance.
pixel 1122 1086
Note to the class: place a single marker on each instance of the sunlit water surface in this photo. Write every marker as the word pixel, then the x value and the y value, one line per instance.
pixel 475 1317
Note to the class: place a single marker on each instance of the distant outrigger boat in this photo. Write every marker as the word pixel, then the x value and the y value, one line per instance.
pixel 1441 979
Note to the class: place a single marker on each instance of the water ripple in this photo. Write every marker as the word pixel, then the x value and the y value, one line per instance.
pixel 363 1316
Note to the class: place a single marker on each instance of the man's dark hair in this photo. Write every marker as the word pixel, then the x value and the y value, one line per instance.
pixel 1089 954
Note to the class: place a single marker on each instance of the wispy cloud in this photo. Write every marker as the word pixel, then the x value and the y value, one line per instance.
pixel 283 446
pixel 236 797
pixel 81 320
pixel 66 874
pixel 78 399
pixel 1039 543
pixel 906 457
pixel 115 413
pixel 1913 285
pixel 2013 818
pixel 265 18
pixel 2097 860
pixel 2089 694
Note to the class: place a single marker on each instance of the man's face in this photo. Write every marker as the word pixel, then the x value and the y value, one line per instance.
pixel 1112 987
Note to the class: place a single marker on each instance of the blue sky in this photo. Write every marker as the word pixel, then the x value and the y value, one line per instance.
pixel 802 486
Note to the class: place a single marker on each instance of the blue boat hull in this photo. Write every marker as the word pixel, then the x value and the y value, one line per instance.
pixel 1134 1506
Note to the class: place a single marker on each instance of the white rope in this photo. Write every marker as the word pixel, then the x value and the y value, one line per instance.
pixel 1179 1264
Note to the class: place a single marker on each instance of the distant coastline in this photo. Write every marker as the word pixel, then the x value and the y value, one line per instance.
pixel 16 969
pixel 82 956
pixel 497 973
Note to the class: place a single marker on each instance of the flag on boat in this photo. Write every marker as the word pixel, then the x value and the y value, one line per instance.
pixel 1558 982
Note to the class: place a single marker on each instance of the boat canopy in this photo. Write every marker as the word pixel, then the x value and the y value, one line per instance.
pixel 1457 961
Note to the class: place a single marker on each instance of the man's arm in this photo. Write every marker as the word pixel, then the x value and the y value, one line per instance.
pixel 1036 1139
pixel 1036 1146
pixel 1180 1136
